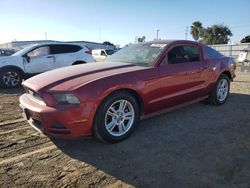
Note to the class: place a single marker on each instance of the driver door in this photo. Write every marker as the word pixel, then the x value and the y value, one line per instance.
pixel 182 76
pixel 39 60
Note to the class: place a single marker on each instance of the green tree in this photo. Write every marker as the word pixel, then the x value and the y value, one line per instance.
pixel 141 39
pixel 246 39
pixel 108 43
pixel 216 34
pixel 196 30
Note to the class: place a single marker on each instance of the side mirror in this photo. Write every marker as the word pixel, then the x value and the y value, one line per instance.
pixel 27 58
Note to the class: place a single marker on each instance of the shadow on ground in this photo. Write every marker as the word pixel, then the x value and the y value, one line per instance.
pixel 196 146
pixel 17 90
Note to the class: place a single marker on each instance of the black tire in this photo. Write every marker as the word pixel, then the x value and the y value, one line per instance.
pixel 100 129
pixel 214 98
pixel 10 78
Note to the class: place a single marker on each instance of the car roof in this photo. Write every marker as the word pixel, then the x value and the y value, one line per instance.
pixel 32 46
pixel 58 43
pixel 170 41
pixel 52 43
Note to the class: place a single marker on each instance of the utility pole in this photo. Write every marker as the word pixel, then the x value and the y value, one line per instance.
pixel 186 34
pixel 45 35
pixel 157 36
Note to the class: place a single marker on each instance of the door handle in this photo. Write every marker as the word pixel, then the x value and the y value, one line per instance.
pixel 50 56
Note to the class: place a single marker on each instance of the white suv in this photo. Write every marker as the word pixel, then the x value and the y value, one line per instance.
pixel 101 54
pixel 40 58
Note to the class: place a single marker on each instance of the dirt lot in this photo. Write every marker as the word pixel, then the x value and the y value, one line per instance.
pixel 196 146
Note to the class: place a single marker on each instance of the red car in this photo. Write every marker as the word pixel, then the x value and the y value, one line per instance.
pixel 109 98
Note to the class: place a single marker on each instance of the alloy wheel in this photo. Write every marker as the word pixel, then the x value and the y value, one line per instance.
pixel 222 90
pixel 119 117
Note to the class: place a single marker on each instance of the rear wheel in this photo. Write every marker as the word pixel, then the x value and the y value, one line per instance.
pixel 116 117
pixel 221 90
pixel 10 78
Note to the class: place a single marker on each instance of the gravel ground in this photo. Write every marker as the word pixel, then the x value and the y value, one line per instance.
pixel 196 146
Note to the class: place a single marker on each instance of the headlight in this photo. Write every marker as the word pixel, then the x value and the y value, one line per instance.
pixel 66 98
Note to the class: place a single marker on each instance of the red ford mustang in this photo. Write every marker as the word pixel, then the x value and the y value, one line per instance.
pixel 108 99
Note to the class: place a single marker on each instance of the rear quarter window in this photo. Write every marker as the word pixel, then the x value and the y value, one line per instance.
pixel 61 48
pixel 212 53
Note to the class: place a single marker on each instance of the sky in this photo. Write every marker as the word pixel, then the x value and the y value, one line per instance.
pixel 117 21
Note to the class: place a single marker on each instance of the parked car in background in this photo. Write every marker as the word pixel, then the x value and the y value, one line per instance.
pixel 108 99
pixel 101 54
pixel 244 59
pixel 40 58
pixel 6 52
pixel 244 56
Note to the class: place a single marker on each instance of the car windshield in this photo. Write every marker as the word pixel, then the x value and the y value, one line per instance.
pixel 24 50
pixel 139 54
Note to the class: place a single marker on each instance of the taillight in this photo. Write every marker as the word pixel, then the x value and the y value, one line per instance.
pixel 89 52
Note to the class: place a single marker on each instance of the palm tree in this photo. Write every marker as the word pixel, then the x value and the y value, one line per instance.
pixel 141 39
pixel 216 34
pixel 196 30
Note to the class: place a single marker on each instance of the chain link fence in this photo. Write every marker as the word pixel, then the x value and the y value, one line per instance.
pixel 230 50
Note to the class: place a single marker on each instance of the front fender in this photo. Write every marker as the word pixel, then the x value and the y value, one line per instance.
pixel 228 67
pixel 101 89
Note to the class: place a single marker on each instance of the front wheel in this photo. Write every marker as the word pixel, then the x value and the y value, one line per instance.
pixel 221 90
pixel 10 78
pixel 116 117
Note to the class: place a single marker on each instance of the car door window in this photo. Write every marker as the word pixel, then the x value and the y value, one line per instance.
pixel 192 53
pixel 183 54
pixel 75 48
pixel 103 53
pixel 41 51
pixel 211 53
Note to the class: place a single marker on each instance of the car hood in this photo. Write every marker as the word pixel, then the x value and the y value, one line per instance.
pixel 7 59
pixel 70 78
